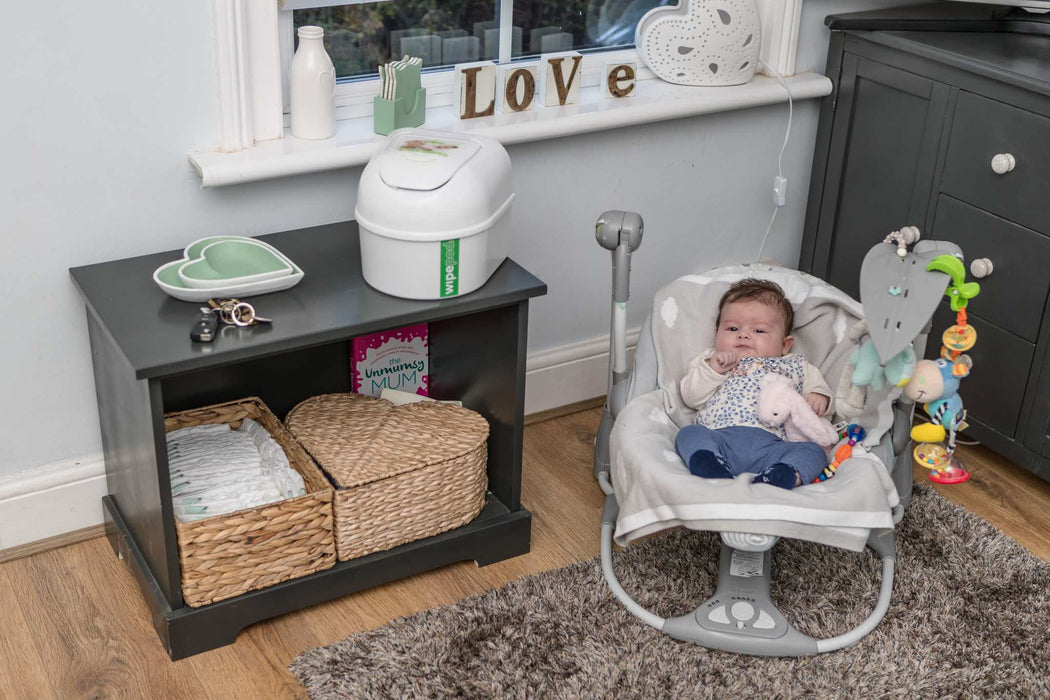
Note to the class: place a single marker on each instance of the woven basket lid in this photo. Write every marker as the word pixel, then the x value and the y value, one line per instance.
pixel 359 439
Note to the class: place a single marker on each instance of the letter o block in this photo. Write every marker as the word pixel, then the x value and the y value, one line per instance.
pixel 518 87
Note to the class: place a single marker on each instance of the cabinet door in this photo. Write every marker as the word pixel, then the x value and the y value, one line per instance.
pixel 885 137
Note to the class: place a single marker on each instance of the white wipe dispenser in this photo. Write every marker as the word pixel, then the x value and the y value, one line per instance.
pixel 432 213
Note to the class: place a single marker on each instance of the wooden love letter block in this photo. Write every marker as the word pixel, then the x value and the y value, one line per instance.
pixel 475 89
pixel 619 80
pixel 560 78
pixel 518 87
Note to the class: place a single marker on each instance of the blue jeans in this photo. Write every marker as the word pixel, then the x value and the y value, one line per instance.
pixel 753 450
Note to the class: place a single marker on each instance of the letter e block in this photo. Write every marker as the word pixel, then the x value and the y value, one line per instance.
pixel 518 87
pixel 619 80
pixel 475 89
pixel 560 78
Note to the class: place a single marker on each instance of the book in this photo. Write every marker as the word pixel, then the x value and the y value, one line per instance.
pixel 397 359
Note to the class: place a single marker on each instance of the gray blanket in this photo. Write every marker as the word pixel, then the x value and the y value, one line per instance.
pixel 653 487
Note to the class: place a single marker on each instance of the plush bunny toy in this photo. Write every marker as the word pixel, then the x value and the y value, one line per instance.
pixel 780 405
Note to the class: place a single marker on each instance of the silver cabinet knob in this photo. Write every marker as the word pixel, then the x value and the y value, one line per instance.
pixel 981 267
pixel 1003 163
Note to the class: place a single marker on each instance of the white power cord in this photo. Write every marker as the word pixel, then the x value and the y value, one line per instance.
pixel 780 158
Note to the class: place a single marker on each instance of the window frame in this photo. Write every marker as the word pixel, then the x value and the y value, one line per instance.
pixel 254 45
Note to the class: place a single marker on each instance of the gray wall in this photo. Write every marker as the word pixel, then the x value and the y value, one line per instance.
pixel 105 99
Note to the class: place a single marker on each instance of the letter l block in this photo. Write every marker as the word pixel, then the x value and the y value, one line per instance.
pixel 475 89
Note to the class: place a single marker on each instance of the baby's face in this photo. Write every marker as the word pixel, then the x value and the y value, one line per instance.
pixel 752 329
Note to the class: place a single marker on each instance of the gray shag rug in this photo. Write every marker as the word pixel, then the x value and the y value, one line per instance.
pixel 970 617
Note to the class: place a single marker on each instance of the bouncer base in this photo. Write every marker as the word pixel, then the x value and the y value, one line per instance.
pixel 740 616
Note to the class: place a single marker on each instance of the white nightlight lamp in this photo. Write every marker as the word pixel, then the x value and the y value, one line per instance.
pixel 701 42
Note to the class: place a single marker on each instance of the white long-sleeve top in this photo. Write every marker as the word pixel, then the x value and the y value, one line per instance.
pixel 729 399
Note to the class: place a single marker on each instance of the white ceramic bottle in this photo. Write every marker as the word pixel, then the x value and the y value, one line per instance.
pixel 312 87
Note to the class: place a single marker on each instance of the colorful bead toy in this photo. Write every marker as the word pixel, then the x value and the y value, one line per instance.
pixel 960 337
pixel 854 434
pixel 933 456
pixel 945 407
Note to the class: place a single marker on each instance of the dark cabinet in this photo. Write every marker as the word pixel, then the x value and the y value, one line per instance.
pixel 948 131
pixel 145 367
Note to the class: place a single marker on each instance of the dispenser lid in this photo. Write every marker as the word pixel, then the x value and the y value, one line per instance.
pixel 421 160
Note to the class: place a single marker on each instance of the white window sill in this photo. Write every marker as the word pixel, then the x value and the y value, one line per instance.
pixel 355 142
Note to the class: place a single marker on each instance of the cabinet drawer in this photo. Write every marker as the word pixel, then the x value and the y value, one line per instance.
pixel 1012 297
pixel 994 391
pixel 984 128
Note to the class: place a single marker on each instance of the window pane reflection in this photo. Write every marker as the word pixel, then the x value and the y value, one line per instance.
pixel 563 25
pixel 359 38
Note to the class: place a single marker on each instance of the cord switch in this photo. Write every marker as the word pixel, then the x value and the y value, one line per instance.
pixel 780 186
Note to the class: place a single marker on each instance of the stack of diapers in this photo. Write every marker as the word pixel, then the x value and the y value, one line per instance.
pixel 216 470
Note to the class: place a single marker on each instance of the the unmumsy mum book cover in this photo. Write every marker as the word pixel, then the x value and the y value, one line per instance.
pixel 394 359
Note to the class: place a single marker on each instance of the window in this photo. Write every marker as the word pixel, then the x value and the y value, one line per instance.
pixel 361 36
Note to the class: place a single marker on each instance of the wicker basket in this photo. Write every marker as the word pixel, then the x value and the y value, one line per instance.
pixel 401 473
pixel 227 555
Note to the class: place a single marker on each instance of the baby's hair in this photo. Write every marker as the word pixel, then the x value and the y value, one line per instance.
pixel 765 291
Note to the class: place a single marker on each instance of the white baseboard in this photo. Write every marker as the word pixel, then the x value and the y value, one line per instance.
pixel 51 500
pixel 66 496
pixel 570 373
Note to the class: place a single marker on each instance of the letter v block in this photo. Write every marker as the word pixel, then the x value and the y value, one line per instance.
pixel 560 78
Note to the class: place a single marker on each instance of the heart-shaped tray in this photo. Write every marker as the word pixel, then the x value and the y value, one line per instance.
pixel 233 263
pixel 168 279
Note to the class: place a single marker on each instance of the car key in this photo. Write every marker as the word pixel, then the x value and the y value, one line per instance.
pixel 204 327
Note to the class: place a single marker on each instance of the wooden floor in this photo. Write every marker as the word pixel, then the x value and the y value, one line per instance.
pixel 75 626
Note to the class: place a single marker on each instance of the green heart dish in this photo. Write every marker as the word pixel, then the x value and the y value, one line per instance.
pixel 232 263
pixel 226 266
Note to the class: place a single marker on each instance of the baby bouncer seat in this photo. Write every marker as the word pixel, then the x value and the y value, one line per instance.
pixel 648 488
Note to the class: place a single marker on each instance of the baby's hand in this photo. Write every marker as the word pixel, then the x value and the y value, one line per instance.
pixel 723 361
pixel 818 402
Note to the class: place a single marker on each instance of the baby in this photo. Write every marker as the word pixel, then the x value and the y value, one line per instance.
pixel 752 338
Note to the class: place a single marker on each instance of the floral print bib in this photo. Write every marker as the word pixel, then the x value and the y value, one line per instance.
pixel 735 402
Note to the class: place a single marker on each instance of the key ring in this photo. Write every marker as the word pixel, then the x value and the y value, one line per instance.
pixel 234 312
